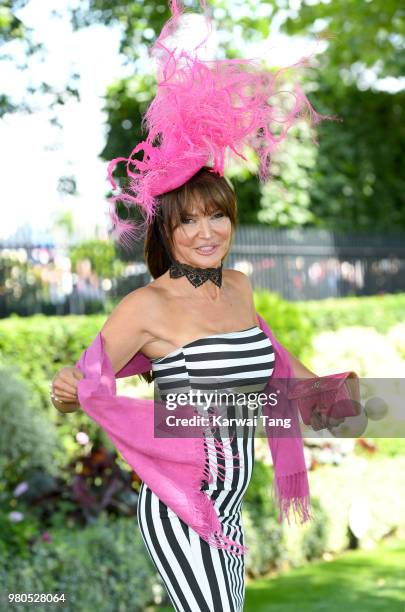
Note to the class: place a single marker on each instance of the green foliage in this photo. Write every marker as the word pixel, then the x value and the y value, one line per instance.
pixel 104 567
pixel 102 255
pixel 13 30
pixel 11 27
pixel 352 181
pixel 54 342
pixel 141 21
pixel 357 184
pixel 360 348
pixel 15 536
pixel 333 490
pixel 268 541
pixel 377 482
pixel 370 33
pixel 27 438
pixel 260 523
pixel 381 312
pixel 314 538
pixel 290 326
pixel 39 346
pixel 285 200
pixel 386 447
pixel 361 580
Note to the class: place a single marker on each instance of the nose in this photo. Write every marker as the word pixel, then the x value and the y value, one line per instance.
pixel 204 227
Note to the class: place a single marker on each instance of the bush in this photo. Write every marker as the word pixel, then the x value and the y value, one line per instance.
pixel 361 349
pixel 290 326
pixel 376 482
pixel 39 346
pixel 260 523
pixel 380 311
pixel 275 546
pixel 27 439
pixel 314 538
pixel 104 567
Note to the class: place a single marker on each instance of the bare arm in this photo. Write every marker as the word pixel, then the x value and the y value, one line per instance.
pixel 123 334
pixel 300 371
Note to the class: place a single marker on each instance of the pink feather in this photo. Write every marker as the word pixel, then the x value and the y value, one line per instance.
pixel 205 112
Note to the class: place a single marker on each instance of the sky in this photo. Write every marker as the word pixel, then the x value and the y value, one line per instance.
pixel 34 154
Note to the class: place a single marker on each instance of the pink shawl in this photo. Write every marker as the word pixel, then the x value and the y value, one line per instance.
pixel 174 468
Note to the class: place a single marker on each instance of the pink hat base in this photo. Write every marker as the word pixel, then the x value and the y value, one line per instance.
pixel 171 180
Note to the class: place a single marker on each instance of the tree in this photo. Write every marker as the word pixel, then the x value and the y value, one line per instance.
pixel 358 184
pixel 102 255
pixel 12 30
pixel 365 35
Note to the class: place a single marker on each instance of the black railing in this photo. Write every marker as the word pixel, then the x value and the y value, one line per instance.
pixel 306 264
pixel 299 264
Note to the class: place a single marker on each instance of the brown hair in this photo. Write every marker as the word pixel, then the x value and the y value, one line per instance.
pixel 216 193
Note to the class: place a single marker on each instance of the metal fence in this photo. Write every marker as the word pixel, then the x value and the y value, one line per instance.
pixel 299 264
pixel 306 264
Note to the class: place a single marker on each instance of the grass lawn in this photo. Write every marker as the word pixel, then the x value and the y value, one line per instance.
pixel 357 581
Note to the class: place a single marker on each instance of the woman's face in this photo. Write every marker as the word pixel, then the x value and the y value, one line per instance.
pixel 202 240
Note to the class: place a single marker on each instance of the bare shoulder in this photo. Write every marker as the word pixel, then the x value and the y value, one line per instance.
pixel 242 288
pixel 239 280
pixel 127 328
pixel 132 313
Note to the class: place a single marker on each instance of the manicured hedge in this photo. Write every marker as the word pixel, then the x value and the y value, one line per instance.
pixel 39 346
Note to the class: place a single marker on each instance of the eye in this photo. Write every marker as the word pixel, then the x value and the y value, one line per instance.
pixel 220 213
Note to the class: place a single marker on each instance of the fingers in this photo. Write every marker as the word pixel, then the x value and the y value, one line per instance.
pixel 78 374
pixel 64 385
pixel 59 394
pixel 64 394
pixel 334 422
pixel 316 421
pixel 320 420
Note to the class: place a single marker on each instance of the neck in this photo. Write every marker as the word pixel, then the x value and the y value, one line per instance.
pixel 207 281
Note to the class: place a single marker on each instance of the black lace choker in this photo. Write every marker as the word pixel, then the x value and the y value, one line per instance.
pixel 196 276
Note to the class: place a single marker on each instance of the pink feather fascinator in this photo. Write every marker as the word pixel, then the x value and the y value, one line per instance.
pixel 205 112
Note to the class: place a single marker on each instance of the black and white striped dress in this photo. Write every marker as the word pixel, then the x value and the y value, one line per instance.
pixel 199 577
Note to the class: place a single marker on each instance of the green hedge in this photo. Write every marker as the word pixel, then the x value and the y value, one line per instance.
pixel 104 567
pixel 380 312
pixel 289 324
pixel 39 346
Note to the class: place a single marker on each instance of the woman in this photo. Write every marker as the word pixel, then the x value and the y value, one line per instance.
pixel 192 332
pixel 196 322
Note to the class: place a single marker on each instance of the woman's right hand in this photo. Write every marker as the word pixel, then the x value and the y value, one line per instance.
pixel 123 334
pixel 64 387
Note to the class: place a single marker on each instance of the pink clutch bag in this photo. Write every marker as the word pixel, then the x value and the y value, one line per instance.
pixel 334 395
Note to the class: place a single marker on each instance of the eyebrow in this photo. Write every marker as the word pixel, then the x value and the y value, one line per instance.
pixel 195 215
